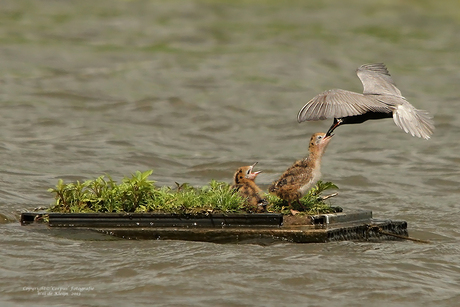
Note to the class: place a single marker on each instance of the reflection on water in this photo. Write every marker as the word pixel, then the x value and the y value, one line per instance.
pixel 194 89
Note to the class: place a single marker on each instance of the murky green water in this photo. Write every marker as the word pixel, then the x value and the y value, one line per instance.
pixel 195 89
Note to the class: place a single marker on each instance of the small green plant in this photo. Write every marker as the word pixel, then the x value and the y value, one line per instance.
pixel 139 194
pixel 104 195
pixel 311 203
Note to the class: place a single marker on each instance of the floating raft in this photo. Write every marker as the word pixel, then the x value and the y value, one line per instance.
pixel 227 228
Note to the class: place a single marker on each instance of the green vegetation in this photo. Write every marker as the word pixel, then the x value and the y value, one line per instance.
pixel 310 204
pixel 139 194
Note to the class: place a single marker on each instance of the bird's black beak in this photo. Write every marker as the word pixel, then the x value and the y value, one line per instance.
pixel 336 123
pixel 329 132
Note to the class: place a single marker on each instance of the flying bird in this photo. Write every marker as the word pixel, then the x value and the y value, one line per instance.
pixel 380 99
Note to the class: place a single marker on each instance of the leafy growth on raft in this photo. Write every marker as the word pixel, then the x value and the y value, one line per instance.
pixel 139 194
pixel 312 203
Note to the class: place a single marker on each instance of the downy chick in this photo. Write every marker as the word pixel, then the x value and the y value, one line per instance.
pixel 298 179
pixel 243 183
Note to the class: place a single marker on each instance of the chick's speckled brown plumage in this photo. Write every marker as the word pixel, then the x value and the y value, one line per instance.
pixel 298 179
pixel 244 184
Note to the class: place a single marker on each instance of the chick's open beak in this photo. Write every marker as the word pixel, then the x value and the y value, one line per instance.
pixel 253 175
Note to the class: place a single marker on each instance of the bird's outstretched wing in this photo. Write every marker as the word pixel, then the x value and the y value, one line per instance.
pixel 418 123
pixel 339 103
pixel 377 80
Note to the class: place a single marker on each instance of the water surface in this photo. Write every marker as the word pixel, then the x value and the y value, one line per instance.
pixel 195 89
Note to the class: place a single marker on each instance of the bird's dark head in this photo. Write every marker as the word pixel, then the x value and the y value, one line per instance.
pixel 245 173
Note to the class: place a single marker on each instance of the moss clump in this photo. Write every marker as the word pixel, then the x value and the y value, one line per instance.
pixel 139 194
